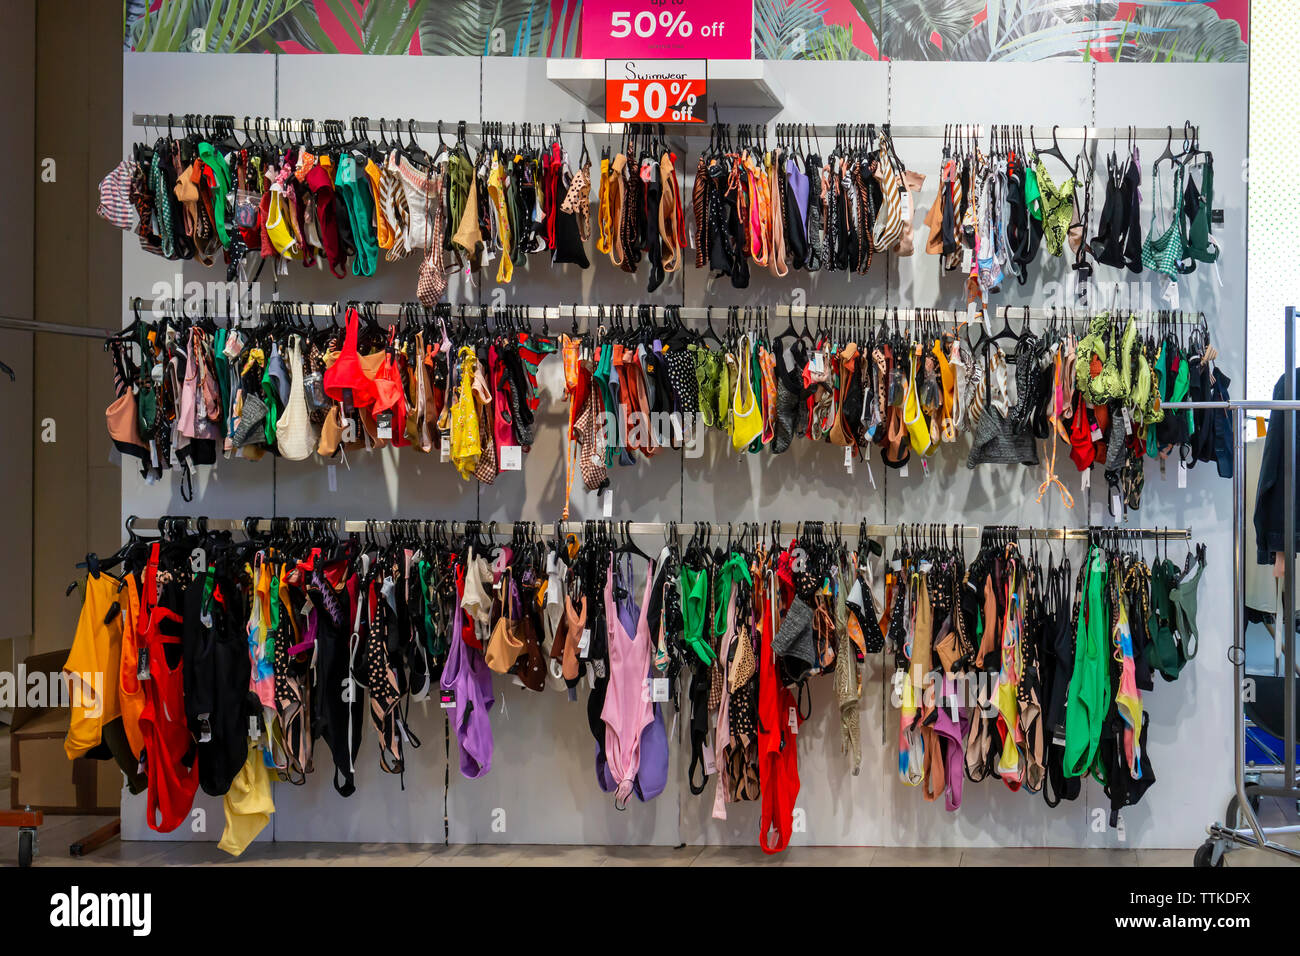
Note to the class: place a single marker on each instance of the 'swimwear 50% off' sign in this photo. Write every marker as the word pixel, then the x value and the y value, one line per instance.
pixel 656 91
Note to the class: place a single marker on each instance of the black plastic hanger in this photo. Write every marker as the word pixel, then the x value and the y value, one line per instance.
pixel 1053 150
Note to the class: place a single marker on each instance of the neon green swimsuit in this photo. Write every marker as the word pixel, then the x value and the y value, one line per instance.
pixel 734 567
pixel 1088 697
pixel 361 214
pixel 1057 208
pixel 695 590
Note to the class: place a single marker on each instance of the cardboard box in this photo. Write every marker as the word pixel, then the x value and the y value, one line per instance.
pixel 41 775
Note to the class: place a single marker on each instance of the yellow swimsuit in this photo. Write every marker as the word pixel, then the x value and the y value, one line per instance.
pixel 747 418
pixel 917 430
pixel 465 444
pixel 497 195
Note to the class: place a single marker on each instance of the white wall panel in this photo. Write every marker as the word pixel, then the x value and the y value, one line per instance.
pixel 542 787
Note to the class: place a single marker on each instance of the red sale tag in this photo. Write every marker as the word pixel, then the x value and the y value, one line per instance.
pixel 655 91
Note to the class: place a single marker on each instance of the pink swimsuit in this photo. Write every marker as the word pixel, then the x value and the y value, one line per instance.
pixel 628 707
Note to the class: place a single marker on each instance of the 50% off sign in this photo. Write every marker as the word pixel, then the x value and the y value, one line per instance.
pixel 656 91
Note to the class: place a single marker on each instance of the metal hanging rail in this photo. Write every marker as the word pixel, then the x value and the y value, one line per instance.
pixel 911 313
pixel 449 128
pixel 932 131
pixel 547 312
pixel 52 328
pixel 684 528
pixel 551 313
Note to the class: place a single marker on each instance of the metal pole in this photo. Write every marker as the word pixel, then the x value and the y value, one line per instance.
pixel 1245 810
pixel 1288 543
pixel 53 328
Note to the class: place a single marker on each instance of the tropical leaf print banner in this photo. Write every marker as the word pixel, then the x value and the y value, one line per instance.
pixel 1141 31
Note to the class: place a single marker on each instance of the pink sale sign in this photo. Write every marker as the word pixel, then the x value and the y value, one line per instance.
pixel 711 29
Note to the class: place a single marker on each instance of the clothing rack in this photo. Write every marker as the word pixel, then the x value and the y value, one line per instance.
pixel 1229 833
pixel 909 313
pixel 932 131
pixel 551 313
pixel 684 528
pixel 546 312
pixel 450 129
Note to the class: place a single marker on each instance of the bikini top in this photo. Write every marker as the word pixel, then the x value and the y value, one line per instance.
pixel 1199 244
pixel 346 373
pixel 695 590
pixel 1108 245
pixel 358 200
pixel 1183 598
pixel 389 394
pixel 1163 253
pixel 415 186
pixel 1055 207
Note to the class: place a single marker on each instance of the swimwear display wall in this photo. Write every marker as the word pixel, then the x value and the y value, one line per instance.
pixel 541 788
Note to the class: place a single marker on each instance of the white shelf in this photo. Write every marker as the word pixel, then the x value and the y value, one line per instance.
pixel 733 84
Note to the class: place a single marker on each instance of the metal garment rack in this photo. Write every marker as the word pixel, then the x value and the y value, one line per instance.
pixel 685 528
pixel 52 328
pixel 162 121
pixel 910 313
pixel 549 313
pixel 555 313
pixel 1224 836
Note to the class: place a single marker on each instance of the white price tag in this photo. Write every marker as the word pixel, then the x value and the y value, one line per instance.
pixel 609 503
pixel 1085 479
pixel 253 732
pixel 848 458
pixel 659 692
pixel 512 458
pixel 794 720
pixel 584 642
pixel 1182 473
pixel 1115 506
pixel 710 767
pixel 902 472
pixel 332 473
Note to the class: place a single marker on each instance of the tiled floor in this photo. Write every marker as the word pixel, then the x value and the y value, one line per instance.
pixel 59 831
